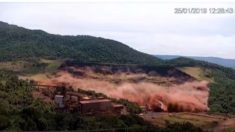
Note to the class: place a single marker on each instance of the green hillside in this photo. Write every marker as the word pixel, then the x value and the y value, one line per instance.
pixel 20 43
pixel 216 60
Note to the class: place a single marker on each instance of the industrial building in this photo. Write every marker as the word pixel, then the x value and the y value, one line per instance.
pixel 59 100
pixel 77 102
pixel 95 106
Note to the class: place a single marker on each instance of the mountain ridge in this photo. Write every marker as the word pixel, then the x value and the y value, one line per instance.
pixel 21 43
pixel 216 60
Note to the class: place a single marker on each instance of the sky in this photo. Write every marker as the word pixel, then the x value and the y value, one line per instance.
pixel 148 26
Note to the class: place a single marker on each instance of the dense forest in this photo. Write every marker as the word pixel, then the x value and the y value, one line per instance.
pixel 20 43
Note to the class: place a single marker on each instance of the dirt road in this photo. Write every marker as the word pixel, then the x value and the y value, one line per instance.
pixel 228 124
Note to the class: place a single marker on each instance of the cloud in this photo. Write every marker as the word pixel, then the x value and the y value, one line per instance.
pixel 151 27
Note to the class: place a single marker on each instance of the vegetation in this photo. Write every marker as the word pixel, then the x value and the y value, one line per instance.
pixel 222 89
pixel 132 107
pixel 21 51
pixel 20 111
pixel 220 61
pixel 31 67
pixel 205 122
pixel 177 127
pixel 20 43
pixel 222 93
pixel 199 73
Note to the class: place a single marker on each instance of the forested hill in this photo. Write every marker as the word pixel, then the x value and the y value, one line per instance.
pixel 220 61
pixel 20 43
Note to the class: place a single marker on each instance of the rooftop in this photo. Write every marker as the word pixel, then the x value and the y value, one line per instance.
pixel 59 96
pixel 94 101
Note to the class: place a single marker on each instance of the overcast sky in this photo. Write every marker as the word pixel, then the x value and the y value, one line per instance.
pixel 150 27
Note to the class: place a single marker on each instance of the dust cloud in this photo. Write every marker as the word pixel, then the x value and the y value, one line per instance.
pixel 190 96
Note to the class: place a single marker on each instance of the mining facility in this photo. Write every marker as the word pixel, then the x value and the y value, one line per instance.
pixel 77 102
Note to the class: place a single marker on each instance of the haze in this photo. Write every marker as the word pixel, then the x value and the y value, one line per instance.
pixel 150 27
